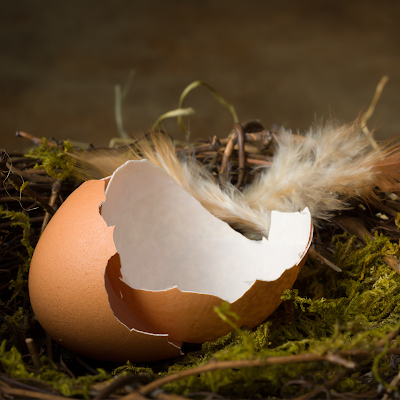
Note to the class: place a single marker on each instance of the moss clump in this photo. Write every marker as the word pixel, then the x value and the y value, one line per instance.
pixel 15 367
pixel 326 312
pixel 53 158
pixel 21 220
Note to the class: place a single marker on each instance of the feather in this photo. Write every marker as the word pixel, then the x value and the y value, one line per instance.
pixel 226 203
pixel 329 166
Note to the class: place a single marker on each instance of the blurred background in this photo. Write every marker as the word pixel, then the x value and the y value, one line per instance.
pixel 285 61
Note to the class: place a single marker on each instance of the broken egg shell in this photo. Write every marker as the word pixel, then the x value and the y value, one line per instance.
pixel 176 261
pixel 76 266
pixel 66 285
pixel 190 317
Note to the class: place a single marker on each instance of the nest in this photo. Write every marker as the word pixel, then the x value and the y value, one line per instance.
pixel 334 336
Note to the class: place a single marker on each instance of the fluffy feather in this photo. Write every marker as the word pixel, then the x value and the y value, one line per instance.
pixel 331 165
pixel 322 172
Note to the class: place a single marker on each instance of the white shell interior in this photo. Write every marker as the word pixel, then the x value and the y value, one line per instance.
pixel 166 238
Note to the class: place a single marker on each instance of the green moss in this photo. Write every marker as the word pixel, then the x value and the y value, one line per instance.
pixel 397 221
pixel 325 312
pixel 54 157
pixel 13 321
pixel 21 220
pixel 15 367
pixel 132 368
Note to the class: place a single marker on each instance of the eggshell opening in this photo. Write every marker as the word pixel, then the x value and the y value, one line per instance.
pixel 178 261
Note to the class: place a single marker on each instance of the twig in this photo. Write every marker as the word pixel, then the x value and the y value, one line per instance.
pixel 20 199
pixel 355 227
pixel 30 344
pixel 169 396
pixel 258 162
pixel 209 395
pixel 265 137
pixel 28 394
pixel 6 380
pixel 314 254
pixel 65 367
pixel 121 382
pixel 227 153
pixel 393 263
pixel 393 383
pixel 331 383
pixel 86 365
pixel 217 365
pixel 5 225
pixel 34 139
pixel 55 189
pixel 367 115
pixel 18 183
pixel 384 208
pixel 240 140
pixel 214 145
pixel 10 326
pixel 389 336
pixel 32 177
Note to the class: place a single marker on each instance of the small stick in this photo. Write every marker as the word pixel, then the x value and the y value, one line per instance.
pixel 265 137
pixel 30 344
pixel 121 382
pixel 65 367
pixel 314 254
pixel 214 145
pixel 6 225
pixel 257 156
pixel 393 263
pixel 30 137
pixel 20 199
pixel 169 396
pixel 217 365
pixel 87 366
pixel 34 139
pixel 17 182
pixel 30 176
pixel 30 394
pixel 355 227
pixel 31 193
pixel 240 140
pixel 258 162
pixel 227 153
pixel 55 189
pixel 389 336
pixel 367 115
pixel 384 208
pixel 332 382
pixel 393 383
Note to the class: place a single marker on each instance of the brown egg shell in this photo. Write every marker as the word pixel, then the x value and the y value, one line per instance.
pixel 66 285
pixel 190 317
pixel 188 261
pixel 75 267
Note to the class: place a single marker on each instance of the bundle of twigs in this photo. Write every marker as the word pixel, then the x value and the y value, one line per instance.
pixel 30 196
pixel 350 365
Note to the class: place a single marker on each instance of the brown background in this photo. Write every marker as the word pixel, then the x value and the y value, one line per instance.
pixel 281 61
